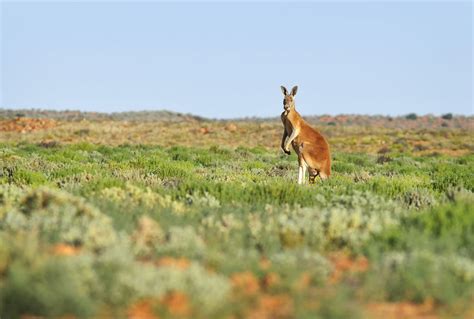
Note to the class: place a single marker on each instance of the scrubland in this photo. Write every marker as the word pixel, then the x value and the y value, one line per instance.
pixel 183 217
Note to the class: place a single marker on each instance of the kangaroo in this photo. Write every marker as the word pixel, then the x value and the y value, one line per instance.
pixel 309 144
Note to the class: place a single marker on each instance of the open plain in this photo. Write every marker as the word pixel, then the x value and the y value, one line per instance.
pixel 164 215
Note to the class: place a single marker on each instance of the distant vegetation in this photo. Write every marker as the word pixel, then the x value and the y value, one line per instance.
pixel 95 116
pixel 425 121
pixel 447 116
pixel 196 218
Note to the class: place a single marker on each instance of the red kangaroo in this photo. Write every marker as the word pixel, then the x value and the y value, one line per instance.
pixel 309 144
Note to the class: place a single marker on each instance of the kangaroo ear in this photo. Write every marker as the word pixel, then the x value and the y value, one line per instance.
pixel 294 90
pixel 284 90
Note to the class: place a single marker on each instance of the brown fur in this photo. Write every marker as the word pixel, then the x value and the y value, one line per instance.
pixel 309 144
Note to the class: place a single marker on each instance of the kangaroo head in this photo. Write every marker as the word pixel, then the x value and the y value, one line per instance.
pixel 289 100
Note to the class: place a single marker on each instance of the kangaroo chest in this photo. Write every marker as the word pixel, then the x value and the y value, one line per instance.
pixel 287 119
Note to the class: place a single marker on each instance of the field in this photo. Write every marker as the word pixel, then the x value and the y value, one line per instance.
pixel 159 215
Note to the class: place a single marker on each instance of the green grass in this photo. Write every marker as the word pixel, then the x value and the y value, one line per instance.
pixel 225 210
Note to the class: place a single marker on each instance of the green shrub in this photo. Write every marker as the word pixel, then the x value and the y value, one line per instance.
pixel 449 223
pixel 60 217
pixel 421 275
pixel 446 228
pixel 126 280
pixel 37 284
pixel 338 304
pixel 419 198
pixel 315 265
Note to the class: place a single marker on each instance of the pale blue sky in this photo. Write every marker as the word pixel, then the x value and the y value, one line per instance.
pixel 226 60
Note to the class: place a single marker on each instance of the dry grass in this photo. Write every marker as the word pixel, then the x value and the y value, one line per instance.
pixel 408 138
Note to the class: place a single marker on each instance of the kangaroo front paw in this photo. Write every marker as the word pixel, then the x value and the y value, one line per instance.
pixel 285 150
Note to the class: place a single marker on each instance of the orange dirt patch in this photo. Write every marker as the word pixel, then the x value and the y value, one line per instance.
pixel 204 130
pixel 65 250
pixel 177 304
pixel 24 125
pixel 180 263
pixel 245 283
pixel 142 309
pixel 231 127
pixel 270 280
pixel 272 307
pixel 344 264
pixel 404 310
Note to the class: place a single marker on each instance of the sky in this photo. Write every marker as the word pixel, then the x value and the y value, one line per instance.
pixel 225 60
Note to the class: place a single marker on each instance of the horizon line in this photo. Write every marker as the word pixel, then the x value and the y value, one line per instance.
pixel 2 109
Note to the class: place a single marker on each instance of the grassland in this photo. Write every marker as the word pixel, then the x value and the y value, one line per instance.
pixel 184 217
